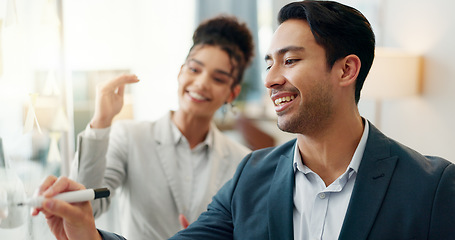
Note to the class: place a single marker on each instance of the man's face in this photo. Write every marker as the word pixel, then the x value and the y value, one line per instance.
pixel 298 80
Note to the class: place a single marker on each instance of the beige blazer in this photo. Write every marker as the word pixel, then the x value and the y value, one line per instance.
pixel 138 159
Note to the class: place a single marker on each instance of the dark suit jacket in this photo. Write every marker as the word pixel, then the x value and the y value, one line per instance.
pixel 398 194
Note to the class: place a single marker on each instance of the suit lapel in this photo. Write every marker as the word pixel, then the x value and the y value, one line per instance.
pixel 281 200
pixel 165 149
pixel 373 178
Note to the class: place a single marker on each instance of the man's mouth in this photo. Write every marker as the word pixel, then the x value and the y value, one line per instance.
pixel 283 100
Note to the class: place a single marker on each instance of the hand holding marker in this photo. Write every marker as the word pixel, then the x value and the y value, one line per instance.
pixel 12 208
pixel 70 197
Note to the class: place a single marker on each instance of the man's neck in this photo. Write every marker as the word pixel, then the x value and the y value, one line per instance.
pixel 329 151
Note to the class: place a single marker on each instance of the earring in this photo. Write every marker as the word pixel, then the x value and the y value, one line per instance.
pixel 228 109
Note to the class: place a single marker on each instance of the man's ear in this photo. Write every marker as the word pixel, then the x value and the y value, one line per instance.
pixel 350 66
pixel 234 93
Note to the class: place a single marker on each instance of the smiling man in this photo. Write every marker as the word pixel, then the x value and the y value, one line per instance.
pixel 341 178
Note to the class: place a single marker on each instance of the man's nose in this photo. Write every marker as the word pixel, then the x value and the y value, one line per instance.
pixel 274 77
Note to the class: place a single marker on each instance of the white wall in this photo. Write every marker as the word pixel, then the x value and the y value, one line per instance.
pixel 151 38
pixel 424 123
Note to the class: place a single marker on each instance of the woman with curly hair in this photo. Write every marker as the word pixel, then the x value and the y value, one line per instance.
pixel 168 170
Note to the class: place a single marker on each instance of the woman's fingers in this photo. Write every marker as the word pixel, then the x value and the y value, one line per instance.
pixel 52 186
pixel 114 84
pixel 48 182
pixel 109 100
pixel 45 185
pixel 62 184
pixel 183 221
pixel 72 213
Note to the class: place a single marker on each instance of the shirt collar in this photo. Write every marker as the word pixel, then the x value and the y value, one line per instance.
pixel 355 161
pixel 177 136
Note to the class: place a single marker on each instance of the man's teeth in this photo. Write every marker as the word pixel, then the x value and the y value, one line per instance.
pixel 197 96
pixel 281 100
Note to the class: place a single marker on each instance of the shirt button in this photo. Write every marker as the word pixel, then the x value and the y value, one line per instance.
pixel 321 195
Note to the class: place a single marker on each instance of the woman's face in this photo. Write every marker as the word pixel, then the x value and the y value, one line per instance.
pixel 205 81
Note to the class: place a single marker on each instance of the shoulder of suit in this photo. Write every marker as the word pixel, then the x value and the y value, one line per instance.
pixel 285 147
pixel 413 158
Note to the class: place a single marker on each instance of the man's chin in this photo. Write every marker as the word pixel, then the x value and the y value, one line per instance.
pixel 286 126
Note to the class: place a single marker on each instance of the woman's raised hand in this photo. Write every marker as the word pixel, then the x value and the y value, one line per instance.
pixel 109 100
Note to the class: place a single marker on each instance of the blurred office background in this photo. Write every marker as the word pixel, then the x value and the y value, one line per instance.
pixel 54 52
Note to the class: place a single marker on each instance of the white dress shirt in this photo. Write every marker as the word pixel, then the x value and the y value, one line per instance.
pixel 319 211
pixel 193 165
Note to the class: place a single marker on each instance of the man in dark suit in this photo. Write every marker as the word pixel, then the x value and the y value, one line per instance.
pixel 341 178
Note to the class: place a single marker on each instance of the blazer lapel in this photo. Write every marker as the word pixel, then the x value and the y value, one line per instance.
pixel 281 200
pixel 219 161
pixel 374 175
pixel 218 165
pixel 165 148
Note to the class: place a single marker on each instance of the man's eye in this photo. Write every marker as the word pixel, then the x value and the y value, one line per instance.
pixel 268 68
pixel 290 61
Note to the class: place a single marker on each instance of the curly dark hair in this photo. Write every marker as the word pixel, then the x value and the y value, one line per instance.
pixel 230 35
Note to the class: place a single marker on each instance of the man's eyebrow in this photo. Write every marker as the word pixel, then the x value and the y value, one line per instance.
pixel 283 51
